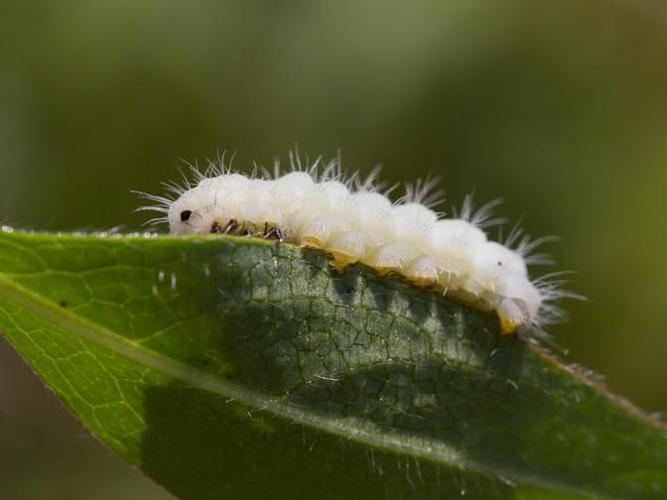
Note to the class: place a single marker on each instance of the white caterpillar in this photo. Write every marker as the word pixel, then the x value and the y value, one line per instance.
pixel 354 221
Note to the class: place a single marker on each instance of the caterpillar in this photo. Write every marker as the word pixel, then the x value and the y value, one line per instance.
pixel 352 218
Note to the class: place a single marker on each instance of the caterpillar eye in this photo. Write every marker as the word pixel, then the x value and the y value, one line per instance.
pixel 185 215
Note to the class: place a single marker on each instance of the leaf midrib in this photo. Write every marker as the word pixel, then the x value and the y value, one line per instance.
pixel 102 336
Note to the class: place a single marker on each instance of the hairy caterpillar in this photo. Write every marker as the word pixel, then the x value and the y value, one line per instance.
pixel 316 205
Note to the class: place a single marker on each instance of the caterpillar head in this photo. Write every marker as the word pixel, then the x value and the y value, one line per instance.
pixel 192 213
pixel 494 263
pixel 499 276
pixel 209 207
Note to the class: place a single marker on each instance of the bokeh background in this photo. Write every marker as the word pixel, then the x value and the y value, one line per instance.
pixel 559 107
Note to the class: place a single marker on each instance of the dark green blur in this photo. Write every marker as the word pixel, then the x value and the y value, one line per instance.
pixel 560 110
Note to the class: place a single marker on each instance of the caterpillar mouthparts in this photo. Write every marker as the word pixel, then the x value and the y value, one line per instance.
pixel 351 218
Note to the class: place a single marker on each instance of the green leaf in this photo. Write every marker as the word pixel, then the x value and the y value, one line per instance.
pixel 236 368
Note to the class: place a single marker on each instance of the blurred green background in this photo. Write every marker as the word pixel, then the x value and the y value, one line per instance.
pixel 560 108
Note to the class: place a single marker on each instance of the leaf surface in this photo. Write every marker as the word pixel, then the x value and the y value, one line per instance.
pixel 236 368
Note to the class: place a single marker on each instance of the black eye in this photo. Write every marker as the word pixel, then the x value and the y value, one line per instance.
pixel 185 215
pixel 500 263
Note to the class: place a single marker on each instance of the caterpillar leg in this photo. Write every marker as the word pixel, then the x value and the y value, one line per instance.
pixel 273 233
